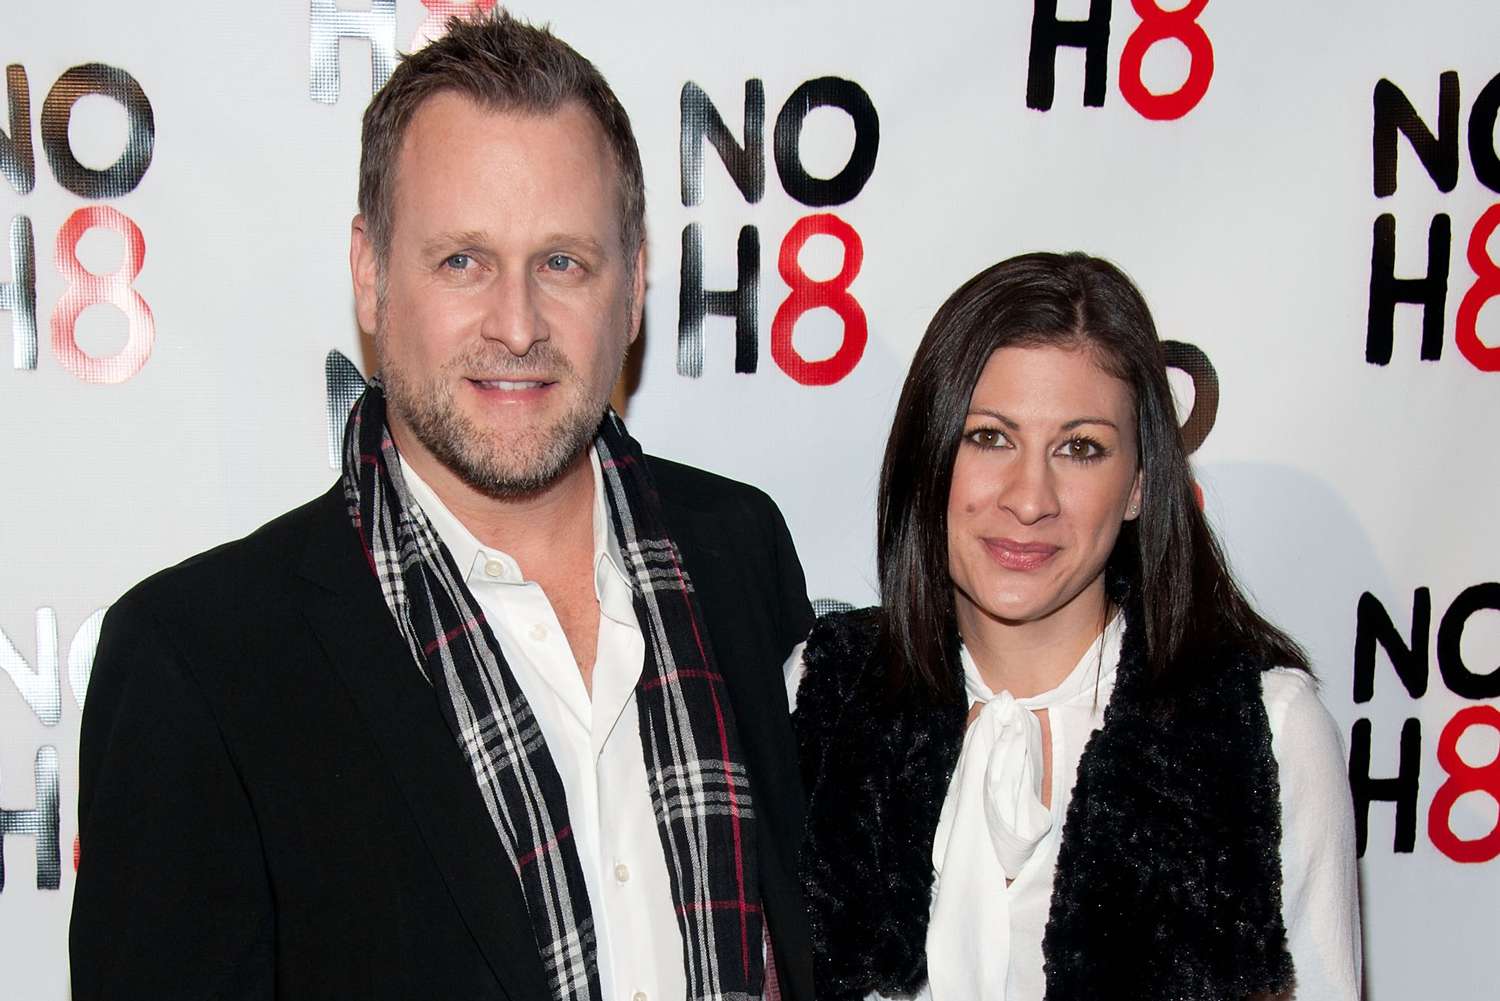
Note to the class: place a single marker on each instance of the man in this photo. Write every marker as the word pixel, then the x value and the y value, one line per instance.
pixel 500 715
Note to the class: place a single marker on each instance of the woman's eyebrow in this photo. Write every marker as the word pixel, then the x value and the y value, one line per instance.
pixel 1080 421
pixel 1014 425
pixel 997 415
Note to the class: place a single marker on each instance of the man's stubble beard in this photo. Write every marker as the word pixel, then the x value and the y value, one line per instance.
pixel 519 463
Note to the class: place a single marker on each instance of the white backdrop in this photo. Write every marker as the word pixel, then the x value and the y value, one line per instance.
pixel 1248 216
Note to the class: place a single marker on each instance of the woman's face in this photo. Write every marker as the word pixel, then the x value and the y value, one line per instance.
pixel 1046 473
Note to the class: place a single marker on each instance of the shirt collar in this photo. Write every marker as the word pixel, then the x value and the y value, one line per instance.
pixel 487 565
pixel 1095 668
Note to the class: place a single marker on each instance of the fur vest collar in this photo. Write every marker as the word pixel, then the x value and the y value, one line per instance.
pixel 1168 882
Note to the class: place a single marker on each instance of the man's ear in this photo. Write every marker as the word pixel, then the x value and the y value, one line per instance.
pixel 364 269
pixel 638 292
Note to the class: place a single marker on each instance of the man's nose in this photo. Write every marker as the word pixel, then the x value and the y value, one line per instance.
pixel 512 316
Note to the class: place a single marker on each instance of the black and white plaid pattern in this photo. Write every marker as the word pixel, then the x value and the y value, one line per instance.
pixel 699 789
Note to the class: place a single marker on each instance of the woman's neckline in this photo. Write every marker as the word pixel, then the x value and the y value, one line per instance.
pixel 1097 664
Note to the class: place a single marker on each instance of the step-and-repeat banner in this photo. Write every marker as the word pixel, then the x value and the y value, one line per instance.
pixel 1306 192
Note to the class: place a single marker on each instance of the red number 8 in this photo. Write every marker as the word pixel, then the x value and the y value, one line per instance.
pixel 1158 25
pixel 1464 778
pixel 85 289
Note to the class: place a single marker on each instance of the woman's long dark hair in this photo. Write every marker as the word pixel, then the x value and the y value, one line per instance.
pixel 1168 558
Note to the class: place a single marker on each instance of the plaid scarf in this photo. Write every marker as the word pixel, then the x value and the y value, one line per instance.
pixel 699 789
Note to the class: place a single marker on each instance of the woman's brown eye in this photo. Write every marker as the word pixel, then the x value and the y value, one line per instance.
pixel 1082 448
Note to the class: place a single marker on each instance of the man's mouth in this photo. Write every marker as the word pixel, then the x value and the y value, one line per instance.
pixel 511 385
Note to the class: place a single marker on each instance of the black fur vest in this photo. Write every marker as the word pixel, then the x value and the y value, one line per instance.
pixel 1168 882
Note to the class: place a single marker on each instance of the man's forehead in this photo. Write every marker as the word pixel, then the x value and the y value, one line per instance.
pixel 454 136
pixel 450 114
pixel 459 155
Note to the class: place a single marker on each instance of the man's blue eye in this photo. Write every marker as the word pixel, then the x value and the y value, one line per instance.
pixel 458 262
pixel 559 262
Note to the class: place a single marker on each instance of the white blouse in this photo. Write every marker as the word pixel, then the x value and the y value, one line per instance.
pixel 984 942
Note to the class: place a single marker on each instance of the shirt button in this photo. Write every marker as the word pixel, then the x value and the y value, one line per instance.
pixel 622 873
pixel 494 568
pixel 539 632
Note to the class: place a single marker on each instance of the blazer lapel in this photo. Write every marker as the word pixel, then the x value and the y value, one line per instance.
pixel 344 605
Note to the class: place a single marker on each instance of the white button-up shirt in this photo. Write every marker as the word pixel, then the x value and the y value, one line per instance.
pixel 595 744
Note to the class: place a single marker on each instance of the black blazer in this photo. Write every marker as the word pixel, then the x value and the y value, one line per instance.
pixel 271 806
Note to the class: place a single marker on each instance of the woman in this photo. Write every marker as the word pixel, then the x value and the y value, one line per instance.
pixel 1064 757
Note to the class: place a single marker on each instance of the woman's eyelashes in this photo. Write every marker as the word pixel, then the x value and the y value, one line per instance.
pixel 986 436
pixel 1080 448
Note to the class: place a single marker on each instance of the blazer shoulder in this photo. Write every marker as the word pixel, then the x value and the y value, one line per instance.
pixel 238 571
pixel 720 519
pixel 684 486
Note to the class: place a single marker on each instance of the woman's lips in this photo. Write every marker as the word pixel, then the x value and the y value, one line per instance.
pixel 1013 555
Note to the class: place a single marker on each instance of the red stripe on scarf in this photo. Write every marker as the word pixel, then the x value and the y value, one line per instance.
pixel 532 855
pixel 687 672
pixel 719 905
pixel 447 637
pixel 364 544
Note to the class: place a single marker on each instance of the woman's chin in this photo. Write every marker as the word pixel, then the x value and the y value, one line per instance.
pixel 1014 609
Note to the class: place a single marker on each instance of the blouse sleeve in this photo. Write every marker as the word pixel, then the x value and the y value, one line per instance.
pixel 792 671
pixel 1319 882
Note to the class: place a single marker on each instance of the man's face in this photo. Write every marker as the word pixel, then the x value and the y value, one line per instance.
pixel 508 301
